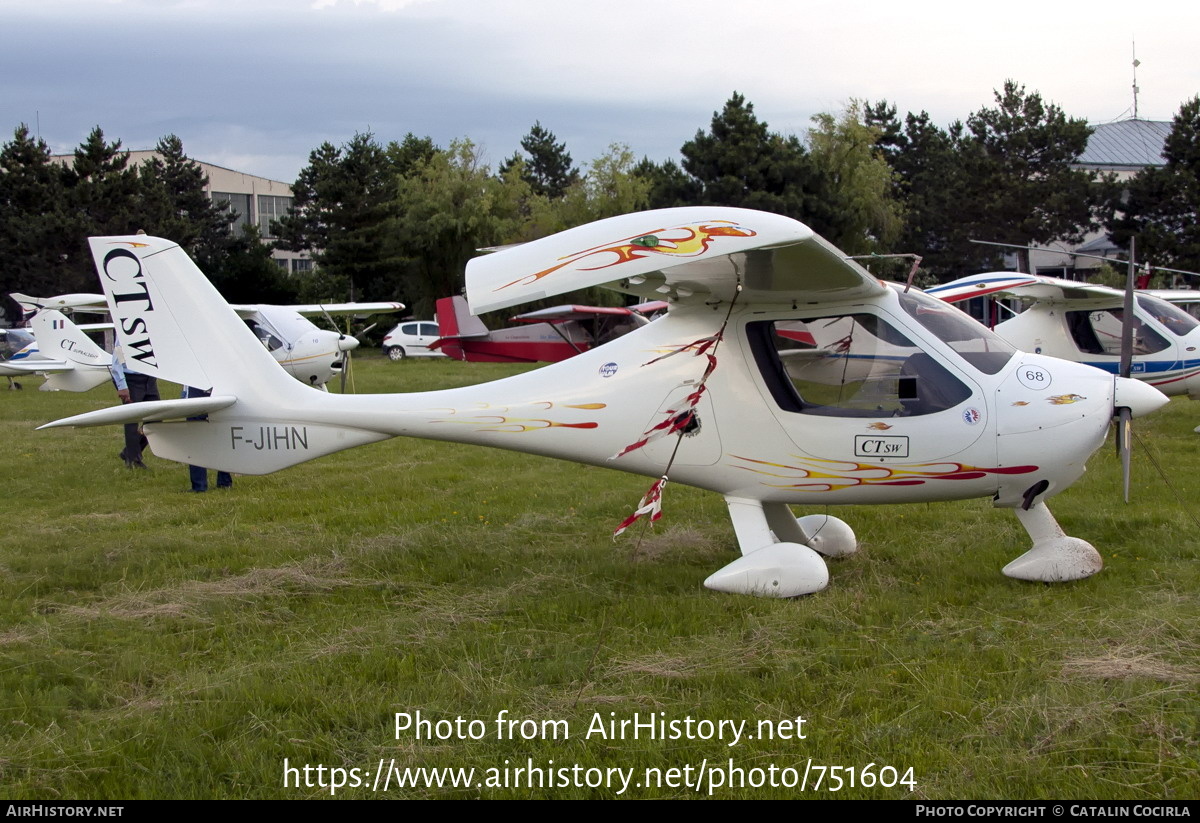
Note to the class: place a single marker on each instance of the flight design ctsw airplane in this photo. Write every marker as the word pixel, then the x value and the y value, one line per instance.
pixel 783 373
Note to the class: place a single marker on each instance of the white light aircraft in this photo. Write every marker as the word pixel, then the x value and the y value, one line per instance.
pixel 310 354
pixel 745 388
pixel 1083 322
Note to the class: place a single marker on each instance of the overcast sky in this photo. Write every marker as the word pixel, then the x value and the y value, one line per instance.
pixel 256 85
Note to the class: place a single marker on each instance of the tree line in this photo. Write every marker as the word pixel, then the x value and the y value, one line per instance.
pixel 399 220
pixel 48 209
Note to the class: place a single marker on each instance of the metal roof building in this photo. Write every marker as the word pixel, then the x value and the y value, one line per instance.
pixel 1122 148
pixel 1126 146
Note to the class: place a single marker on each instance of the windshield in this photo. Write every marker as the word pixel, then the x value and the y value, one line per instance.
pixel 974 342
pixel 1175 319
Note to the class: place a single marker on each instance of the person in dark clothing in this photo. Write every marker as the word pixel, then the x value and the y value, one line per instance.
pixel 199 474
pixel 132 387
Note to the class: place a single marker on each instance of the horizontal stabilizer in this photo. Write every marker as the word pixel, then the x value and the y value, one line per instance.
pixel 146 412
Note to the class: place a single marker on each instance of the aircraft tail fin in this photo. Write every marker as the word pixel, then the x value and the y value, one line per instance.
pixel 59 337
pixel 454 321
pixel 172 323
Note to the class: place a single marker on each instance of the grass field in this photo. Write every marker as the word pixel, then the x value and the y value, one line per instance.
pixel 157 644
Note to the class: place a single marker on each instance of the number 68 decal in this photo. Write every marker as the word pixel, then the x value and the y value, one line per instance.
pixel 1033 377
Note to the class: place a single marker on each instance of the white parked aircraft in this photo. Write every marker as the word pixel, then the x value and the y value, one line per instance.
pixel 310 354
pixel 1082 322
pixel 936 407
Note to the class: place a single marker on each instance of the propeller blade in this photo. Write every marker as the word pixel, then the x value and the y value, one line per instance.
pixel 346 368
pixel 1127 317
pixel 328 317
pixel 1124 435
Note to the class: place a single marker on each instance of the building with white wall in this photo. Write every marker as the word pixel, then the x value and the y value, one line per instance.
pixel 251 199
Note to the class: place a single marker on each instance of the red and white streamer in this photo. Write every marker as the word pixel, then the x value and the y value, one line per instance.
pixel 650 504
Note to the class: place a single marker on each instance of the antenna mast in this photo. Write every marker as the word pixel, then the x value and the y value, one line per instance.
pixel 1136 63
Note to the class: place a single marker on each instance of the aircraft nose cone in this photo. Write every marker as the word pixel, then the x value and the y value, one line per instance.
pixel 1137 396
pixel 347 343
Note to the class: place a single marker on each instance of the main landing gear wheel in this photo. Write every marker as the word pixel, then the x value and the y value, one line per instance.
pixel 780 553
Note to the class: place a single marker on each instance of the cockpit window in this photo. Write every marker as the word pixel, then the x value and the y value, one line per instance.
pixel 851 365
pixel 974 342
pixel 264 335
pixel 1177 321
pixel 1191 308
pixel 1099 332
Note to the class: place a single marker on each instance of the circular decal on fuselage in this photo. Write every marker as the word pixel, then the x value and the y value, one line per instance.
pixel 608 369
pixel 972 416
pixel 1033 377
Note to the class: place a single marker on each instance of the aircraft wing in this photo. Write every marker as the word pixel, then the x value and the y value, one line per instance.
pixel 321 309
pixel 15 368
pixel 80 302
pixel 561 314
pixel 695 251
pixel 1174 295
pixel 1023 287
pixel 649 307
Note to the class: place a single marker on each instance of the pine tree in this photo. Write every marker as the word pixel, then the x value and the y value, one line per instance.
pixel 1018 159
pixel 1006 175
pixel 35 228
pixel 547 163
pixel 176 204
pixel 669 184
pixel 102 189
pixel 740 162
pixel 343 210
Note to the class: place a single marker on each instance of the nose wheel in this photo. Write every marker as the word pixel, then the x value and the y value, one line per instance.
pixel 1055 557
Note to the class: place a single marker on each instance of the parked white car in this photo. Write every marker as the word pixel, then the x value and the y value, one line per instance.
pixel 411 339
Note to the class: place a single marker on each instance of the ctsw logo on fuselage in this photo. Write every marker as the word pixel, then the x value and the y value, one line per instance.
pixel 880 445
pixel 131 298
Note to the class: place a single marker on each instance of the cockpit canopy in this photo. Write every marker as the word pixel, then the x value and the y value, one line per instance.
pixel 858 363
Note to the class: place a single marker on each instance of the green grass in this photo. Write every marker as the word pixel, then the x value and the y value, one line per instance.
pixel 160 644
